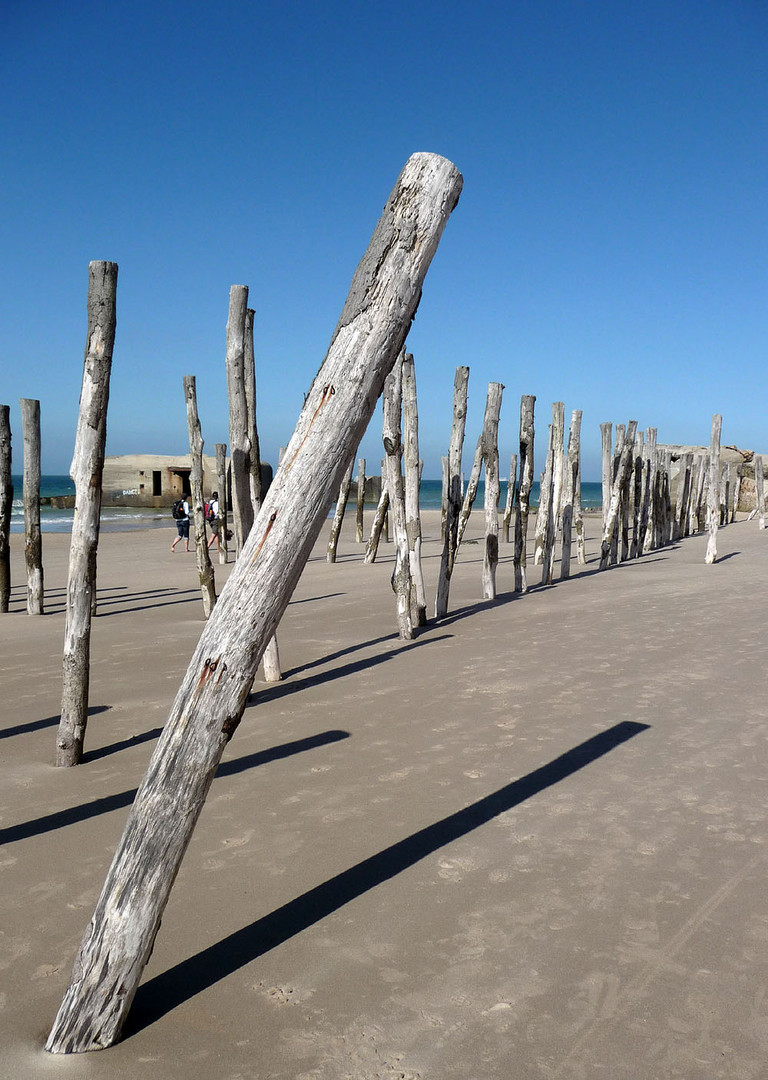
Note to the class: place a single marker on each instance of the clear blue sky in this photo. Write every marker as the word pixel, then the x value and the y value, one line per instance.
pixel 609 250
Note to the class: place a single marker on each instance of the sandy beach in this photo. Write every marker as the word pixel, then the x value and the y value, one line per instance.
pixel 531 843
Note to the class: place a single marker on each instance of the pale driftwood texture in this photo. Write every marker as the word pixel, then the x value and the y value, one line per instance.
pixel 453 491
pixel 713 490
pixel 204 567
pixel 252 429
pixel 509 505
pixel 33 539
pixel 239 443
pixel 471 493
pixel 527 404
pixel 613 510
pixel 695 516
pixel 571 493
pixel 6 507
pixel 443 497
pixel 552 522
pixel 338 515
pixel 379 519
pixel 209 705
pixel 221 483
pixel 606 435
pixel 736 491
pixel 402 579
pixel 490 439
pixel 546 490
pixel 86 471
pixel 759 491
pixel 648 520
pixel 360 514
pixel 412 481
pixel 663 529
pixel 617 453
pixel 639 475
pixel 270 661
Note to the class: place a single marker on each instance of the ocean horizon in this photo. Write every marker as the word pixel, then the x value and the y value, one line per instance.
pixel 126 518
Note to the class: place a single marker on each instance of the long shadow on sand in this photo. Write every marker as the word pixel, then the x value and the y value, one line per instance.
pixel 49 721
pixel 73 814
pixel 180 983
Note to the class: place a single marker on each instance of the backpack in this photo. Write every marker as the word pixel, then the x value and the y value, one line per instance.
pixel 177 510
pixel 210 514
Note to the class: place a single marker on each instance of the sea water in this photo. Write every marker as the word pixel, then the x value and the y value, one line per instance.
pixel 123 518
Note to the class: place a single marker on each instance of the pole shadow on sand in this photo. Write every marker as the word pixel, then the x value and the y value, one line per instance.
pixel 180 983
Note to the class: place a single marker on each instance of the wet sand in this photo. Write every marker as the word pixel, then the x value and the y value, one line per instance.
pixel 530 843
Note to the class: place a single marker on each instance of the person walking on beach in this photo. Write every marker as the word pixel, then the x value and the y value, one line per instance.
pixel 212 517
pixel 182 526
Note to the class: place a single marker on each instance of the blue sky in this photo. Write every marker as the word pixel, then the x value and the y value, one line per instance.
pixel 610 248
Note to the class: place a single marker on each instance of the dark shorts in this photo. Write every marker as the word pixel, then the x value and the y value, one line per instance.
pixel 214 526
pixel 182 526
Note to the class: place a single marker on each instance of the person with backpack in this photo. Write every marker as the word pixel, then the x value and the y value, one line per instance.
pixel 212 517
pixel 180 513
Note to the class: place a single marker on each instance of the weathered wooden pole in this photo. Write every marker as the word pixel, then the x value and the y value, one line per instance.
pixel 379 518
pixel 490 439
pixel 570 488
pixel 239 443
pixel 33 540
pixel 737 490
pixel 402 579
pixel 252 429
pixel 546 491
pixel 412 481
pixel 527 403
pixel 471 493
pixel 360 515
pixel 639 475
pixel 613 510
pixel 552 522
pixel 204 567
pixel 453 487
pixel 617 453
pixel 713 490
pixel 338 515
pixel 759 491
pixel 221 480
pixel 606 434
pixel 209 705
pixel 695 515
pixel 509 504
pixel 444 497
pixel 86 471
pixel 648 520
pixel 6 507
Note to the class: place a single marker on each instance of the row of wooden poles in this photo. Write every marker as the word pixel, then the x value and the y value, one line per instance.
pixel 211 699
pixel 87 473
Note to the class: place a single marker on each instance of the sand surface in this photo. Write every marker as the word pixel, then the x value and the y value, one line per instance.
pixel 530 844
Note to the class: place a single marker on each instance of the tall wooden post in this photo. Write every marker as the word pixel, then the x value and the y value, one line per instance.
pixel 221 481
pixel 209 705
pixel 204 567
pixel 6 507
pixel 527 403
pixel 571 494
pixel 490 439
pixel 648 521
pixel 759 491
pixel 252 429
pixel 617 454
pixel 453 490
pixel 412 480
pixel 360 516
pixel 509 504
pixel 613 510
pixel 86 471
pixel 443 497
pixel 713 490
pixel 379 518
pixel 546 486
pixel 637 495
pixel 553 515
pixel 338 514
pixel 402 579
pixel 239 445
pixel 471 493
pixel 606 434
pixel 737 490
pixel 33 539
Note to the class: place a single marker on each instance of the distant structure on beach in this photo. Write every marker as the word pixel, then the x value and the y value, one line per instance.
pixel 158 480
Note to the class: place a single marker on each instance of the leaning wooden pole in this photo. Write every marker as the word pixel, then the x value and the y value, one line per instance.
pixel 453 491
pixel 221 482
pixel 86 471
pixel 6 507
pixel 204 567
pixel 251 425
pixel 379 519
pixel 360 508
pixel 239 445
pixel 412 478
pixel 338 515
pixel 471 493
pixel 383 298
pixel 527 404
pixel 509 503
pixel 33 538
pixel 492 488
pixel 713 490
